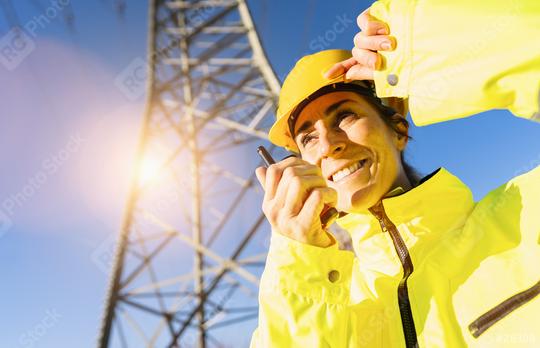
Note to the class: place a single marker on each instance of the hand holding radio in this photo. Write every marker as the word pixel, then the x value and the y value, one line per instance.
pixel 295 196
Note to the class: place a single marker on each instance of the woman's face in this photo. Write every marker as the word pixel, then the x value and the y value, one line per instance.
pixel 359 155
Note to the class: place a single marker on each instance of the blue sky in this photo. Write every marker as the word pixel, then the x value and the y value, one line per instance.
pixel 67 141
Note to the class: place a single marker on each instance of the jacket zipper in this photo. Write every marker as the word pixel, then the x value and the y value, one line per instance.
pixel 407 321
pixel 509 305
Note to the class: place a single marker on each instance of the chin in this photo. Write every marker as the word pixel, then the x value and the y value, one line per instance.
pixel 358 201
pixel 358 196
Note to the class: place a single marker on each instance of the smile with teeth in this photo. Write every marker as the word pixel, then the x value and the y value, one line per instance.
pixel 348 171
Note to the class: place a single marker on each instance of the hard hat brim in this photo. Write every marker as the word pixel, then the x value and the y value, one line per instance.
pixel 279 134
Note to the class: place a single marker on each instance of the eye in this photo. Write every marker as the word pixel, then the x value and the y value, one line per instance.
pixel 345 116
pixel 306 139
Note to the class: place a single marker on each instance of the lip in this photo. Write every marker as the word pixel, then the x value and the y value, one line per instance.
pixel 355 174
pixel 329 177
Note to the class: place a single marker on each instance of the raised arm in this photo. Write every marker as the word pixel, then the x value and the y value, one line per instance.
pixel 451 59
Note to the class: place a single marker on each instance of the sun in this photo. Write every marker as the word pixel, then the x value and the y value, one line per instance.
pixel 148 169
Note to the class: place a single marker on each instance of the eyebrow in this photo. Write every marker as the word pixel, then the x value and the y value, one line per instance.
pixel 328 111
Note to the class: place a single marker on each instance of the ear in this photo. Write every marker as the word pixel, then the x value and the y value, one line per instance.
pixel 403 127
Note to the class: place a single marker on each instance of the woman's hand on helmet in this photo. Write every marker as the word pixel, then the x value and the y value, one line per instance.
pixel 373 37
pixel 295 193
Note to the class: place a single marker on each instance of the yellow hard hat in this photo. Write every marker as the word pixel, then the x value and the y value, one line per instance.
pixel 306 78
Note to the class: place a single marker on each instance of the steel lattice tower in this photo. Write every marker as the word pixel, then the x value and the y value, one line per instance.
pixel 180 271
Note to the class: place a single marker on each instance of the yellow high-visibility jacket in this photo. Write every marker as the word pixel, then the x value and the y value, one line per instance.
pixel 431 265
pixel 431 249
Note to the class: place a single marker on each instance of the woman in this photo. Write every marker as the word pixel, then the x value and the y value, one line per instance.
pixel 433 268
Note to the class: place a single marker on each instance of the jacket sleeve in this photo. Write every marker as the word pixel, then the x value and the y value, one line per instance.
pixel 457 58
pixel 511 213
pixel 506 218
pixel 304 296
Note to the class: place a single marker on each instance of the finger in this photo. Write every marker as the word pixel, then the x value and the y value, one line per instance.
pixel 260 172
pixel 290 177
pixel 371 25
pixel 315 202
pixel 291 161
pixel 340 68
pixel 274 173
pixel 374 42
pixel 359 72
pixel 366 58
pixel 298 191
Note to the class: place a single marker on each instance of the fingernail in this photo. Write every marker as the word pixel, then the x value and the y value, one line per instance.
pixel 372 62
pixel 382 31
pixel 386 45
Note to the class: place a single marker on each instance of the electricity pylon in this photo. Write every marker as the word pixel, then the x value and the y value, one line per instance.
pixel 183 266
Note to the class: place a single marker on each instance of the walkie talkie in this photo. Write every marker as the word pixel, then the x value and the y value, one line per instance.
pixel 328 215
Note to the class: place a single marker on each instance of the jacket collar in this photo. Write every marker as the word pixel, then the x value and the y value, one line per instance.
pixel 440 199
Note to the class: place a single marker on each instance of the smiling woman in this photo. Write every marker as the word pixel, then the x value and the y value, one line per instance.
pixel 359 154
pixel 424 246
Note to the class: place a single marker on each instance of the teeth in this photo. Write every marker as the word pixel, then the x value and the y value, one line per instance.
pixel 346 171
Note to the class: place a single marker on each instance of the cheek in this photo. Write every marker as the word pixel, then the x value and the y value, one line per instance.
pixel 378 140
pixel 309 156
pixel 368 134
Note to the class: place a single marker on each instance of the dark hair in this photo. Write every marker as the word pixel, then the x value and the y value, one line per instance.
pixel 393 122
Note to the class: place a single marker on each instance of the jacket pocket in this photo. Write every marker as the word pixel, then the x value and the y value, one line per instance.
pixel 488 319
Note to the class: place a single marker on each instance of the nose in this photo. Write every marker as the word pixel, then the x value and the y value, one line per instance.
pixel 331 144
